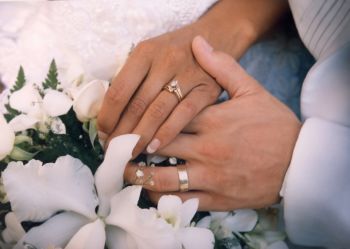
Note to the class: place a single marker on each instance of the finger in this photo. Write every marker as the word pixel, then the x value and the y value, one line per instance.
pixel 183 146
pixel 199 98
pixel 155 115
pixel 136 108
pixel 163 179
pixel 121 90
pixel 228 73
pixel 207 200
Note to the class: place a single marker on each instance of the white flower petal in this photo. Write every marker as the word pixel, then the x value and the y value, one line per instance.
pixel 155 159
pixel 143 225
pixel 278 245
pixel 14 230
pixel 204 222
pixel 243 220
pixel 196 238
pixel 89 100
pixel 57 126
pixel 56 103
pixel 118 238
pixel 7 135
pixel 188 210
pixel 169 206
pixel 90 236
pixel 109 176
pixel 38 191
pixel 25 99
pixel 55 232
pixel 23 122
pixel 219 215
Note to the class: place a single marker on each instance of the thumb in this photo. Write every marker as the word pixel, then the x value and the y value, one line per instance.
pixel 227 72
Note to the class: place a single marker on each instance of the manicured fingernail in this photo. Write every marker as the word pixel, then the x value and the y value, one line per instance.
pixel 102 136
pixel 153 146
pixel 205 45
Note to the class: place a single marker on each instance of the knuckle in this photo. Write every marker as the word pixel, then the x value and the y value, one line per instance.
pixel 137 107
pixel 143 47
pixel 115 93
pixel 174 55
pixel 161 184
pixel 157 111
pixel 190 108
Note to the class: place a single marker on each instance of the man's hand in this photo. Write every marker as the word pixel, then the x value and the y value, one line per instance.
pixel 136 101
pixel 236 152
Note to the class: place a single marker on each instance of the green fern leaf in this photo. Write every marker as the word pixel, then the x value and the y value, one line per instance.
pixel 51 80
pixel 20 81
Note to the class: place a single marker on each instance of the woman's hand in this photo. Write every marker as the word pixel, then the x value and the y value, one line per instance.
pixel 237 152
pixel 136 101
pixel 147 109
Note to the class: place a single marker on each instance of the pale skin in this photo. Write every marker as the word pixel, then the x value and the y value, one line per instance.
pixel 136 103
pixel 236 152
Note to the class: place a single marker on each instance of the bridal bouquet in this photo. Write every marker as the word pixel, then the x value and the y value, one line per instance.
pixel 59 189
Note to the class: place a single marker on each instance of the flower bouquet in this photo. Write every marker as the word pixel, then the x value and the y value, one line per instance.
pixel 59 189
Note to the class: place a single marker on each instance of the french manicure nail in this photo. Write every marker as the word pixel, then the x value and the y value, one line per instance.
pixel 153 146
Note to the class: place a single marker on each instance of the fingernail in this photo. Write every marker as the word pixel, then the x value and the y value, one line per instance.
pixel 153 146
pixel 205 45
pixel 102 136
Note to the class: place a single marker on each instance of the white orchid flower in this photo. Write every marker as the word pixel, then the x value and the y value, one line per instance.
pixel 266 240
pixel 88 99
pixel 225 224
pixel 63 195
pixel 7 135
pixel 179 216
pixel 37 111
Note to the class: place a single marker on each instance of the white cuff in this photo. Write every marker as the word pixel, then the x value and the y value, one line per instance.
pixel 316 189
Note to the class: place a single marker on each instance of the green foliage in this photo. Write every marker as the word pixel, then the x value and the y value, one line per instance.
pixel 11 113
pixel 51 81
pixel 20 81
pixel 75 143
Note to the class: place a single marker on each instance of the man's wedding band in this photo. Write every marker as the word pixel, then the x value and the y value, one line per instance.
pixel 183 178
pixel 173 87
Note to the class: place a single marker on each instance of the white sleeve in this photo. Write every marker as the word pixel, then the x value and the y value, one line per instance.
pixel 317 186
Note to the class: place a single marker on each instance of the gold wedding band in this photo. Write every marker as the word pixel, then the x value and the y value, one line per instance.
pixel 183 178
pixel 173 87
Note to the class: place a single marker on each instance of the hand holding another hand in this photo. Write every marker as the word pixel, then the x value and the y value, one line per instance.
pixel 236 152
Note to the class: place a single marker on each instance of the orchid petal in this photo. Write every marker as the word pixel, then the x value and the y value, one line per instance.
pixel 204 222
pixel 23 122
pixel 188 210
pixel 25 99
pixel 219 215
pixel 195 238
pixel 56 103
pixel 7 138
pixel 155 159
pixel 57 126
pixel 38 191
pixel 109 176
pixel 118 238
pixel 89 100
pixel 143 225
pixel 278 245
pixel 56 231
pixel 90 236
pixel 243 220
pixel 169 207
pixel 14 230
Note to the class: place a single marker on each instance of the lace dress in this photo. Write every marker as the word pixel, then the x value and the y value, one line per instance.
pixel 90 37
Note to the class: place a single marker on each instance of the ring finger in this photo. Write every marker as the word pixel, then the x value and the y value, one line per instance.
pixel 163 179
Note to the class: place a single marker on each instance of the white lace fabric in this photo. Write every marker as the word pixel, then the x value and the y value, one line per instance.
pixel 90 37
